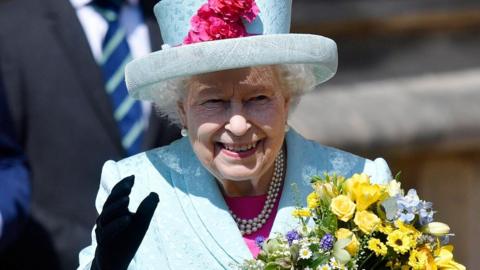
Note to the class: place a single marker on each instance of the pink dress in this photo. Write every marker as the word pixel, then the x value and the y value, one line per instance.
pixel 250 207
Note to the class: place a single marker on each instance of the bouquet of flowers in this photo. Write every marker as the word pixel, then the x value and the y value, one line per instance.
pixel 356 224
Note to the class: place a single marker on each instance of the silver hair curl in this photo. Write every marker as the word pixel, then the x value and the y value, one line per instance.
pixel 297 79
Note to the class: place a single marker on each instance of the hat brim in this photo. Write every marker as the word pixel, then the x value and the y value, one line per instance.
pixel 145 76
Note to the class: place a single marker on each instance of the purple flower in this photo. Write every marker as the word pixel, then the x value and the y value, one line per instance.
pixel 326 243
pixel 259 240
pixel 292 235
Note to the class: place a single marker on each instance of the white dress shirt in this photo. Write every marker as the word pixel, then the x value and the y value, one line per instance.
pixel 95 27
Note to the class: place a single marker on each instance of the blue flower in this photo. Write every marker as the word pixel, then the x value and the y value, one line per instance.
pixel 259 240
pixel 425 212
pixel 327 241
pixel 445 239
pixel 408 206
pixel 292 235
pixel 411 200
pixel 405 215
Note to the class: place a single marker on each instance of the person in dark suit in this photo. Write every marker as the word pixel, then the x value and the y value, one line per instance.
pixel 14 180
pixel 19 233
pixel 55 86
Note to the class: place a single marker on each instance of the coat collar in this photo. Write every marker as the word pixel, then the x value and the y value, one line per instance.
pixel 207 208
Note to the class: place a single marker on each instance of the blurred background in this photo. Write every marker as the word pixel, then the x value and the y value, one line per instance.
pixel 407 89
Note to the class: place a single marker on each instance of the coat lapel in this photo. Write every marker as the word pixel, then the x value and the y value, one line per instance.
pixel 70 34
pixel 306 159
pixel 295 187
pixel 208 212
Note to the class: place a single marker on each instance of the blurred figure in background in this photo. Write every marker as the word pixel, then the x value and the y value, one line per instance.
pixel 62 66
pixel 14 182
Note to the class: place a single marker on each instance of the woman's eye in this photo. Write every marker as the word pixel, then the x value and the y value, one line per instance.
pixel 213 102
pixel 259 98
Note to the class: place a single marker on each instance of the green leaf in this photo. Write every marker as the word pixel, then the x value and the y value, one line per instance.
pixel 272 266
pixel 322 259
pixel 398 175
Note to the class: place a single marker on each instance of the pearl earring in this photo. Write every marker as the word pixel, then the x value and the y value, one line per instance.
pixel 184 132
pixel 287 127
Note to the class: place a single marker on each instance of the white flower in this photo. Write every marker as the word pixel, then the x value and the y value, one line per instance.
pixel 305 253
pixel 393 188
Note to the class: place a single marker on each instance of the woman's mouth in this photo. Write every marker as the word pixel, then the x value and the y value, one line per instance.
pixel 238 150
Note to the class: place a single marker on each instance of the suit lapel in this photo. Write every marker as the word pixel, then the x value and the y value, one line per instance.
pixel 70 34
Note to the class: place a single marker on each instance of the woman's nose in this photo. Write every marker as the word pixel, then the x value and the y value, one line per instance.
pixel 238 125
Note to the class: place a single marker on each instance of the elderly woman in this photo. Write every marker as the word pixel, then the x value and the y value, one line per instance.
pixel 200 202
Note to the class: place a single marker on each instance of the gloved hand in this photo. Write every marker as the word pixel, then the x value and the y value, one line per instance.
pixel 120 232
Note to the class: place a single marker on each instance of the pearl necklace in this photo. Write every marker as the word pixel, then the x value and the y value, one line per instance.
pixel 249 226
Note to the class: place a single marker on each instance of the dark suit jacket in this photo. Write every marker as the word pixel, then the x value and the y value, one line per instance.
pixel 63 115
pixel 14 179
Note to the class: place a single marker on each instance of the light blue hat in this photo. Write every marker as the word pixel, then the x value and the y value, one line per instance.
pixel 269 43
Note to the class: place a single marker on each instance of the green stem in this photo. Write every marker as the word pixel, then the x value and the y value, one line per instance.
pixel 364 261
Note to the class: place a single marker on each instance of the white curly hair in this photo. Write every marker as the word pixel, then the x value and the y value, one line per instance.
pixel 297 79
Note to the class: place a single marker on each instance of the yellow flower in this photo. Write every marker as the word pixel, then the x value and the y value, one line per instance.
pixel 304 212
pixel 352 247
pixel 418 260
pixel 385 228
pixel 326 191
pixel 444 259
pixel 313 200
pixel 366 221
pixel 411 231
pixel 351 183
pixel 399 241
pixel 377 246
pixel 343 207
pixel 394 264
pixel 365 194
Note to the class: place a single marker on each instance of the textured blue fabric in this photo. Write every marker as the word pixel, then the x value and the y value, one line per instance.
pixel 116 54
pixel 192 228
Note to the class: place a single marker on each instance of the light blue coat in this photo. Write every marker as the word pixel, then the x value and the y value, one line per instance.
pixel 191 228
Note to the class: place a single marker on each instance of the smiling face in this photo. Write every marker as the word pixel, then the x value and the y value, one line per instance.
pixel 235 121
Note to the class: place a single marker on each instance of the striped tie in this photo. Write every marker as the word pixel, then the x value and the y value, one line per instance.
pixel 116 54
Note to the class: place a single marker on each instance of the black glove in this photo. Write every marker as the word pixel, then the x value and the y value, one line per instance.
pixel 120 232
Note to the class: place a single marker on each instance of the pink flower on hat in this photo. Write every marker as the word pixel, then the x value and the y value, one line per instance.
pixel 234 10
pixel 221 19
pixel 206 26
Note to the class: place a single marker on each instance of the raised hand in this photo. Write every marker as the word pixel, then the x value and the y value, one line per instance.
pixel 120 232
